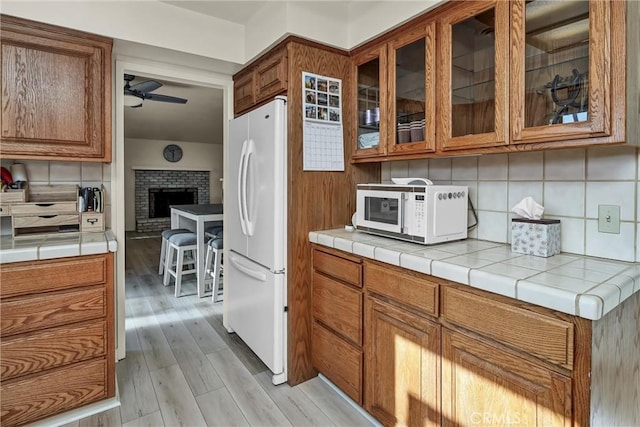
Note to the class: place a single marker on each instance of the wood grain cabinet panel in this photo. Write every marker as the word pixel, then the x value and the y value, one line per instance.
pixel 341 268
pixel 338 306
pixel 482 385
pixel 402 366
pixel 57 350
pixel 35 397
pixel 338 360
pixel 271 75
pixel 244 92
pixel 52 348
pixel 543 336
pixel 56 92
pixel 403 286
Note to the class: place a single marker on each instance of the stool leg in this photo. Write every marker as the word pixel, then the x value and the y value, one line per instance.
pixel 163 250
pixel 167 265
pixel 216 276
pixel 179 268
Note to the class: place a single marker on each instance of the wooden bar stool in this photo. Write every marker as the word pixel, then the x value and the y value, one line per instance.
pixel 185 247
pixel 163 246
pixel 214 267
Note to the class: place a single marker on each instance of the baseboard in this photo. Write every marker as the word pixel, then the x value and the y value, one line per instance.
pixel 350 401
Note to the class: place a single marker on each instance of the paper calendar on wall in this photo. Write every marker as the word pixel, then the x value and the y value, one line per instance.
pixel 323 144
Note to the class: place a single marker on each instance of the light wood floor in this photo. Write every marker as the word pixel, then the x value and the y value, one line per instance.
pixel 183 369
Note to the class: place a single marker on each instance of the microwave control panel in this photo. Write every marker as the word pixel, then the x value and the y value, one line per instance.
pixel 420 214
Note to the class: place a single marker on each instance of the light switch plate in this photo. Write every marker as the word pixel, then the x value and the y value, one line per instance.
pixel 609 219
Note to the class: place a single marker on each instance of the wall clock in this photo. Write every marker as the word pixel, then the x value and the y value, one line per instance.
pixel 172 153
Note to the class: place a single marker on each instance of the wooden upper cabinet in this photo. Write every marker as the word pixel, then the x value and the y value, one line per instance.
pixel 263 80
pixel 371 96
pixel 412 96
pixel 56 93
pixel 560 70
pixel 473 75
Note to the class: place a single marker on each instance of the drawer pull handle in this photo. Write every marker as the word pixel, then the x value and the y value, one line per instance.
pixel 92 220
pixel 47 216
pixel 44 205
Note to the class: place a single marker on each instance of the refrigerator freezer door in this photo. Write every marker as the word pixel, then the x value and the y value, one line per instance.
pixel 233 201
pixel 257 313
pixel 266 187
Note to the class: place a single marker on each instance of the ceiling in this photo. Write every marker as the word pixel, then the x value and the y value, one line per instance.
pixel 199 120
pixel 238 11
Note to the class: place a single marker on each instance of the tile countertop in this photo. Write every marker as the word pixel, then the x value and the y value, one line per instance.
pixel 56 246
pixel 584 286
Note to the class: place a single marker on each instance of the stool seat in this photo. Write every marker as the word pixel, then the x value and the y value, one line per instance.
pixel 215 243
pixel 183 239
pixel 213 231
pixel 166 234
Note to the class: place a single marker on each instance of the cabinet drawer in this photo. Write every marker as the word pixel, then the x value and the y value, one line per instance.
pixel 52 348
pixel 338 306
pixel 52 392
pixel 542 336
pixel 340 268
pixel 45 220
pixel 338 360
pixel 92 222
pixel 25 278
pixel 5 210
pixel 412 290
pixel 44 208
pixel 51 309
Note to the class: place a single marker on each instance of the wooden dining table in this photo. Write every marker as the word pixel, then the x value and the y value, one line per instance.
pixel 196 218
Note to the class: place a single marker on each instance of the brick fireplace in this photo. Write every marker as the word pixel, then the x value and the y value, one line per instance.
pixel 156 189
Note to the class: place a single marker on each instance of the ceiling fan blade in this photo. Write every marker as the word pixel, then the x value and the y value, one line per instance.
pixel 148 86
pixel 164 98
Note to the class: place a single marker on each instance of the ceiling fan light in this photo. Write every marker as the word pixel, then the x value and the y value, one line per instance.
pixel 132 101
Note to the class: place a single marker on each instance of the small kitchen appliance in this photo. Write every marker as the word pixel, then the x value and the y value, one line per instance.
pixel 414 210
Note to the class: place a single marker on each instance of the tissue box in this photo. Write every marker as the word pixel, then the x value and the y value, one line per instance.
pixel 535 237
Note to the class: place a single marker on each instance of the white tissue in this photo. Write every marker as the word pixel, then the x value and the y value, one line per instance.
pixel 528 208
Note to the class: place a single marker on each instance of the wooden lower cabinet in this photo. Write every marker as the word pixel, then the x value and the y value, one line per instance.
pixel 402 368
pixel 483 385
pixel 57 350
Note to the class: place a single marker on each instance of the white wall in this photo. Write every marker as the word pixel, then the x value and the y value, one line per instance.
pixel 147 154
pixel 150 22
pixel 570 184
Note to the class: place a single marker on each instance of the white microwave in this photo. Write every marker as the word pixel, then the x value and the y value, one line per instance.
pixel 423 213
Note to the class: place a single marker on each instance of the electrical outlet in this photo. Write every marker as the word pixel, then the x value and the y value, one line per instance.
pixel 609 219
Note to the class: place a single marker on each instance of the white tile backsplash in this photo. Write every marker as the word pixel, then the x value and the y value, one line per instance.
pixel 562 165
pixel 526 166
pixel 495 167
pixel 464 169
pixel 564 198
pixel 60 172
pixel 440 169
pixel 569 183
pixel 611 163
pixel 91 172
pixel 611 193
pixel 37 170
pixel 492 195
pixel 419 168
pixel 399 169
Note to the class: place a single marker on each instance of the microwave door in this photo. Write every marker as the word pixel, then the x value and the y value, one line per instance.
pixel 381 210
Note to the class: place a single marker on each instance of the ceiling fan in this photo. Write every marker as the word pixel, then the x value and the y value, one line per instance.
pixel 135 94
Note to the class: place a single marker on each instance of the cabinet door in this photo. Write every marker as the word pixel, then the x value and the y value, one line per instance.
pixel 402 366
pixel 473 75
pixel 560 70
pixel 370 69
pixel 56 92
pixel 412 92
pixel 271 76
pixel 244 92
pixel 483 385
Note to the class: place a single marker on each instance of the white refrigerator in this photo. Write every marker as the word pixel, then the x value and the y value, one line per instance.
pixel 256 234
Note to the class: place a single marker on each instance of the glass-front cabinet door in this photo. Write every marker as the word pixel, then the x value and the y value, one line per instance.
pixel 560 86
pixel 371 96
pixel 473 77
pixel 412 92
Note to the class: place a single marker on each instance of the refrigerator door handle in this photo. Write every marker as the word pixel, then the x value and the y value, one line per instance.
pixel 242 188
pixel 250 224
pixel 258 275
